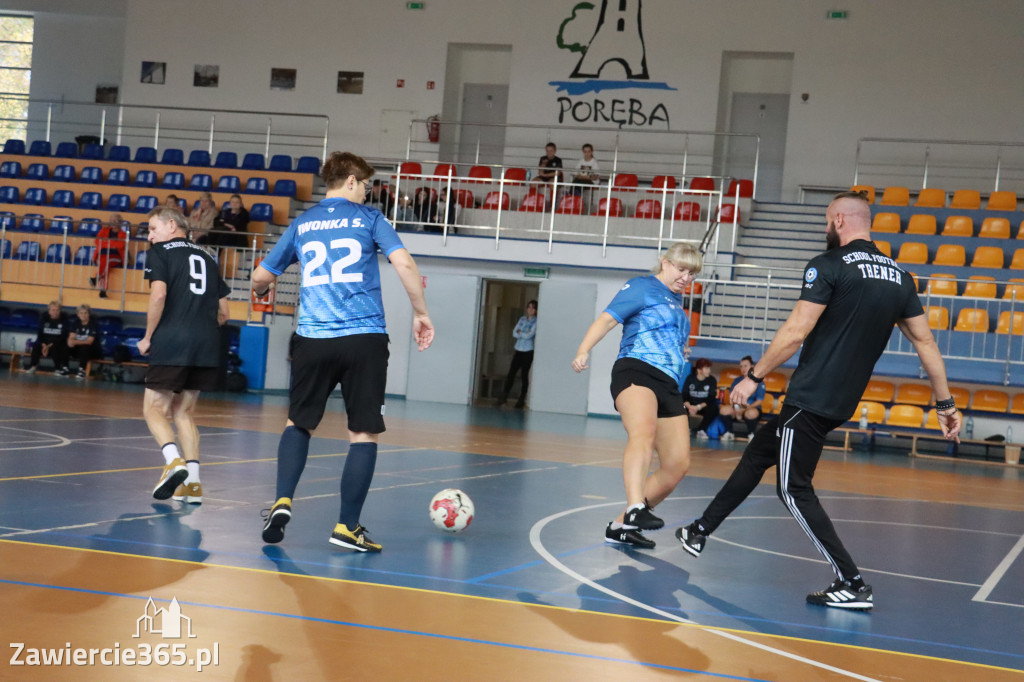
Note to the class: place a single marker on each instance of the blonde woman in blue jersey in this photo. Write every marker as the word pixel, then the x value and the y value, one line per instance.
pixel 341 337
pixel 646 382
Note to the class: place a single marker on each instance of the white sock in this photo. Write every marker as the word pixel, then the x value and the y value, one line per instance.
pixel 170 452
pixel 617 526
pixel 638 505
pixel 193 471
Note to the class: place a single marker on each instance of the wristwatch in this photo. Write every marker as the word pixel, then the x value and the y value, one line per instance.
pixel 750 375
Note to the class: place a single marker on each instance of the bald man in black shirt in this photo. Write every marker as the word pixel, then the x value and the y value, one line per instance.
pixel 852 296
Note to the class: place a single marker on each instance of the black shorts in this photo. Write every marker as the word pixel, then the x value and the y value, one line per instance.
pixel 628 372
pixel 358 362
pixel 176 378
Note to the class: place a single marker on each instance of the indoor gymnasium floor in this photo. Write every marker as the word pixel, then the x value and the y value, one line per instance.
pixel 529 591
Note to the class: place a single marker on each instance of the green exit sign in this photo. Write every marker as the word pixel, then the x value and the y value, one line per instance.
pixel 832 14
pixel 537 273
pixel 415 5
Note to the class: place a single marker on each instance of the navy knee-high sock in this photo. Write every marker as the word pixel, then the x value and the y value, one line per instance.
pixel 291 460
pixel 355 481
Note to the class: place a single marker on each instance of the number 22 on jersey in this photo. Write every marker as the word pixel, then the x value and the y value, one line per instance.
pixel 319 257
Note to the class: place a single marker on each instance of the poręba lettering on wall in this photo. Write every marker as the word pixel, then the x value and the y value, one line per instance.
pixel 609 40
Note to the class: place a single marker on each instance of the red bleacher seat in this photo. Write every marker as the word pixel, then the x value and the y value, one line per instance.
pixel 647 208
pixel 611 206
pixel 687 210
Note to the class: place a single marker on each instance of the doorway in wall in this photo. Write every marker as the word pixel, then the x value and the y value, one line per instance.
pixel 502 304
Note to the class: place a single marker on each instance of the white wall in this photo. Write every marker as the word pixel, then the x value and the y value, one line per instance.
pixel 917 68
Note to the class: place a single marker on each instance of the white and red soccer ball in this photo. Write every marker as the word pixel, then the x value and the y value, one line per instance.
pixel 451 510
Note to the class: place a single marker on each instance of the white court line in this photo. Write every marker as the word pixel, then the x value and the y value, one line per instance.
pixel 997 575
pixel 61 441
pixel 538 546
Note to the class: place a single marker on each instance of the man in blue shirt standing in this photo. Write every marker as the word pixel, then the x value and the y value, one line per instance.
pixel 341 338
pixel 524 332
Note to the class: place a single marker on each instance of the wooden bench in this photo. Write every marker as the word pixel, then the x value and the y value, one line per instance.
pixel 16 356
pixel 1011 450
pixel 107 361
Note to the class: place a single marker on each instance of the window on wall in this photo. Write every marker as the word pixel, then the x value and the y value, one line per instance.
pixel 15 75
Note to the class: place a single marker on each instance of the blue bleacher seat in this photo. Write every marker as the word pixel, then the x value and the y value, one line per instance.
pixel 308 164
pixel 281 162
pixel 120 153
pixel 173 180
pixel 40 148
pixel 145 155
pixel 7 221
pixel 64 173
pixel 199 157
pixel 256 186
pixel 92 175
pixel 145 203
pixel 89 227
pixel 109 324
pixel 228 183
pixel 83 256
pixel 10 169
pixel 261 213
pixel 92 201
pixel 140 260
pixel 5 248
pixel 119 202
pixel 284 188
pixel 14 147
pixel 57 253
pixel 254 162
pixel 25 318
pixel 64 198
pixel 93 152
pixel 67 150
pixel 117 176
pixel 32 222
pixel 226 160
pixel 10 195
pixel 38 171
pixel 27 251
pixel 36 196
pixel 173 157
pixel 145 178
pixel 201 181
pixel 61 224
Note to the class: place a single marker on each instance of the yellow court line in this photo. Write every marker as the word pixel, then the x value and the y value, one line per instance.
pixel 507 602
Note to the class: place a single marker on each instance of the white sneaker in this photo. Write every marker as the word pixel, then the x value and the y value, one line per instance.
pixel 701 435
pixel 728 436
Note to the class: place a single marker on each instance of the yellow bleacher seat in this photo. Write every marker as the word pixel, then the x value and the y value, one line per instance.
pixel 895 196
pixel 996 228
pixel 886 222
pixel 867 189
pixel 958 226
pixel 938 316
pixel 961 395
pixel 876 411
pixel 931 197
pixel 921 223
pixel 917 284
pixel 914 394
pixel 1014 289
pixel 969 199
pixel 912 252
pixel 911 416
pixel 768 406
pixel 727 376
pixel 1017 404
pixel 941 285
pixel 950 254
pixel 999 201
pixel 932 420
pixel 988 257
pixel 1003 325
pixel 990 400
pixel 775 382
pixel 972 320
pixel 884 247
pixel 981 286
pixel 879 391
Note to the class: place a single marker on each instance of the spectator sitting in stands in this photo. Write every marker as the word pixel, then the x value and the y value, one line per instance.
pixel 51 341
pixel 380 198
pixel 110 247
pixel 404 214
pixel 586 169
pixel 172 201
pixel 235 220
pixel 548 166
pixel 424 207
pixel 202 218
pixel 84 339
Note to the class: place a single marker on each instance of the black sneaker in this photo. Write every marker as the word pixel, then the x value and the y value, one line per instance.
pixel 356 539
pixel 643 519
pixel 693 541
pixel 92 281
pixel 627 536
pixel 277 517
pixel 62 372
pixel 841 595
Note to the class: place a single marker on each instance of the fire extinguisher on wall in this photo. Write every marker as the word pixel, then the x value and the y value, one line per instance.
pixel 434 129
